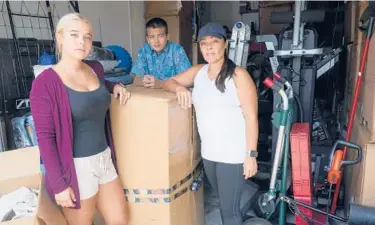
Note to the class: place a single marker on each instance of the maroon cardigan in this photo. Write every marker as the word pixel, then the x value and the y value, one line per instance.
pixel 50 108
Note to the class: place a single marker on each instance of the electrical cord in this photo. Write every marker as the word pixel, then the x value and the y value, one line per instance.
pixel 294 75
pixel 296 211
pixel 296 98
pixel 329 199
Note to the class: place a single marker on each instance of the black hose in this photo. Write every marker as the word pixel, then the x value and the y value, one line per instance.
pixel 361 215
pixel 299 107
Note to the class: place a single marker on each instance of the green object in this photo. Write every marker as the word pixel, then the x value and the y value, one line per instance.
pixel 285 162
pixel 283 121
pixel 272 192
pixel 276 121
pixel 283 117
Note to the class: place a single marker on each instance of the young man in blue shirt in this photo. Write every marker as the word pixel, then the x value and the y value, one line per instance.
pixel 158 59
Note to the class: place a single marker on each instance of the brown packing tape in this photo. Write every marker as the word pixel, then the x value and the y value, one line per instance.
pixel 163 195
pixel 156 199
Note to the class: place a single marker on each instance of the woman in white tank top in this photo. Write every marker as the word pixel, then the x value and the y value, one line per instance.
pixel 225 101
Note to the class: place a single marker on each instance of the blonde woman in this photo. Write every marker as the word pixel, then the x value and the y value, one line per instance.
pixel 69 103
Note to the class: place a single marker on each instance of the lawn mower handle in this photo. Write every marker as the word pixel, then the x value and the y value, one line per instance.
pixel 349 145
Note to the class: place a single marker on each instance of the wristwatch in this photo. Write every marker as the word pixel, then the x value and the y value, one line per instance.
pixel 252 153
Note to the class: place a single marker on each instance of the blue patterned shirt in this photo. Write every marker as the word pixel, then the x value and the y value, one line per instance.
pixel 171 61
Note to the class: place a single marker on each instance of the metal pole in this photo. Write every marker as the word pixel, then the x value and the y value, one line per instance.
pixel 302 25
pixel 297 44
pixel 75 6
pixel 50 19
pixel 297 22
pixel 15 42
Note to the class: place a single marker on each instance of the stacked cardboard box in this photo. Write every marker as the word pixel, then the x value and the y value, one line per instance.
pixel 367 97
pixel 353 59
pixel 21 168
pixel 359 182
pixel 157 156
pixel 366 102
pixel 353 12
pixel 265 10
pixel 178 15
pixel 355 40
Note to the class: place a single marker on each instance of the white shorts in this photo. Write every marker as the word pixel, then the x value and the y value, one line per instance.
pixel 92 171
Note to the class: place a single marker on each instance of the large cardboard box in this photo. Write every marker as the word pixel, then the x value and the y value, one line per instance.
pixel 359 180
pixel 168 8
pixel 360 7
pixel 353 13
pixel 157 153
pixel 21 168
pixel 366 103
pixel 352 68
pixel 265 26
pixel 350 26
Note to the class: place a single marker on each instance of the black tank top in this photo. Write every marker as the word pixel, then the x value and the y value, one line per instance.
pixel 89 109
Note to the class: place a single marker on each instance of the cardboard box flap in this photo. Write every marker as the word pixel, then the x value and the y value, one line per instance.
pixel 19 163
pixel 150 93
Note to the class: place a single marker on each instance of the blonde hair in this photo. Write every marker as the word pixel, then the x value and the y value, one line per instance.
pixel 61 25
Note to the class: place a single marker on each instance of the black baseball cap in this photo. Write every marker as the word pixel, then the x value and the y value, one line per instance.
pixel 212 29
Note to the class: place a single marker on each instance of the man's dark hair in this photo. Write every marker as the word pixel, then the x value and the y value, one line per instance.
pixel 157 23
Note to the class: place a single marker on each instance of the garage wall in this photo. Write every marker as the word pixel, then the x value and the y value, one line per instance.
pixel 15 80
pixel 137 30
pixel 128 15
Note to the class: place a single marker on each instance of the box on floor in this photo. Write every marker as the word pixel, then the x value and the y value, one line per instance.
pixel 157 151
pixel 22 168
pixel 359 180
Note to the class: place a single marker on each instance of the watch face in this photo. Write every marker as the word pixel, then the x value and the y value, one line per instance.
pixel 252 153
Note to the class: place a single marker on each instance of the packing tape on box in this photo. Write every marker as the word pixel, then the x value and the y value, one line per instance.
pixel 157 199
pixel 167 191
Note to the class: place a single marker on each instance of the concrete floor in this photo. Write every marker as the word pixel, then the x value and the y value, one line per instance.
pixel 211 204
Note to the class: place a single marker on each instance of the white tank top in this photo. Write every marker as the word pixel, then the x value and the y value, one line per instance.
pixel 221 124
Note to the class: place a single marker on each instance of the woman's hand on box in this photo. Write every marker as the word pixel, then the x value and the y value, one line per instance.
pixel 183 97
pixel 121 93
pixel 65 198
